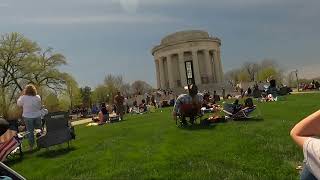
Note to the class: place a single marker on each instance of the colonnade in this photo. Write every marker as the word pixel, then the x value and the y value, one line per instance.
pixel 171 74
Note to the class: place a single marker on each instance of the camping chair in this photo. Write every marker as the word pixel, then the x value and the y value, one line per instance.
pixel 58 130
pixel 236 112
pixel 11 142
pixel 10 148
pixel 188 111
pixel 7 172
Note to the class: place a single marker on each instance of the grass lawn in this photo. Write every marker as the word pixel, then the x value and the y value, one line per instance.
pixel 150 146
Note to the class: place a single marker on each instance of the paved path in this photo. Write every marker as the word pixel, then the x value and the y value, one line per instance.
pixel 83 121
pixel 305 92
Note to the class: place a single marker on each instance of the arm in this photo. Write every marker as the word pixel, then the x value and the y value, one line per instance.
pixel 308 127
pixel 20 101
pixel 176 108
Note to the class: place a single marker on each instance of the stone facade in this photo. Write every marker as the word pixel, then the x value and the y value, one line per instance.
pixel 188 57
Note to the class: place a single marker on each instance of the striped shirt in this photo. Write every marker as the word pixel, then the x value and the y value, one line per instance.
pixel 186 99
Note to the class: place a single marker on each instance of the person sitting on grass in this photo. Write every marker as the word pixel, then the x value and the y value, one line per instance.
pixel 306 135
pixel 236 106
pixel 194 99
pixel 103 114
pixel 143 106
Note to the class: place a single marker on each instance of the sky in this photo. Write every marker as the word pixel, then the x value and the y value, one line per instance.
pixel 100 37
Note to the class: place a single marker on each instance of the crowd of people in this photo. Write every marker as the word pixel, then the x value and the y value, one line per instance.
pixel 304 133
pixel 314 85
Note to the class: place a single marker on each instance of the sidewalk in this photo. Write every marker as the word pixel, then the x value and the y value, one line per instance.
pixel 83 121
pixel 304 92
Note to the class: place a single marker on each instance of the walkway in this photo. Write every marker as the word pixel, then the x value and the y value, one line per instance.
pixel 83 121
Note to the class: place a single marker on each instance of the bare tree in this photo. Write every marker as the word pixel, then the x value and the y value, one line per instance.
pixel 232 76
pixel 251 69
pixel 141 87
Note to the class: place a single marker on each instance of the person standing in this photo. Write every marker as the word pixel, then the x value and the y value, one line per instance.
pixel 31 105
pixel 119 100
pixel 223 93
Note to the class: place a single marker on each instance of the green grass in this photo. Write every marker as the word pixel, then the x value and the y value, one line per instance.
pixel 150 146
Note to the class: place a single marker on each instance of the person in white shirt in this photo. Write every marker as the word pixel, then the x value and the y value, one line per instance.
pixel 32 111
pixel 306 134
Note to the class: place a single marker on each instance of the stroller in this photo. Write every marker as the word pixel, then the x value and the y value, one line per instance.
pixel 188 111
pixel 237 111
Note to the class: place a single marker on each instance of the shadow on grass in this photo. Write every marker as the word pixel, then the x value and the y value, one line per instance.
pixel 256 119
pixel 198 127
pixel 52 153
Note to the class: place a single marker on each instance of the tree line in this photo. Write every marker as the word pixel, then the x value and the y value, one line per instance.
pixel 255 72
pixel 106 91
pixel 23 61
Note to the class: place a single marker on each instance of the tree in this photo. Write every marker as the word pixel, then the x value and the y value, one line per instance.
pixel 244 76
pixel 232 76
pixel 266 73
pixel 22 62
pixel 51 102
pixel 14 50
pixel 140 87
pixel 251 69
pixel 86 96
pixel 72 90
pixel 126 89
pixel 101 94
pixel 43 70
pixel 113 84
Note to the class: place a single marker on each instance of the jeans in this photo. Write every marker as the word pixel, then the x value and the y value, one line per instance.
pixel 31 124
pixel 105 117
pixel 306 174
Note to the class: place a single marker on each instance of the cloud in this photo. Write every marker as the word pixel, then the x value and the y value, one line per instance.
pixel 111 18
pixel 130 6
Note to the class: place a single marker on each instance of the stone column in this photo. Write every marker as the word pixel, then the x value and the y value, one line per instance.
pixel 220 66
pixel 196 72
pixel 170 73
pixel 156 61
pixel 216 66
pixel 207 60
pixel 212 60
pixel 182 70
pixel 162 76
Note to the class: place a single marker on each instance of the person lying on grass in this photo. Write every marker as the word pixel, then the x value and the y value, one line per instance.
pixel 306 134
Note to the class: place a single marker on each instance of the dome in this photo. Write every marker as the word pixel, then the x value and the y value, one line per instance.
pixel 185 36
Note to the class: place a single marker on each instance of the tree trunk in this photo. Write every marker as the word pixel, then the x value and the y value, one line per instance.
pixel 4 106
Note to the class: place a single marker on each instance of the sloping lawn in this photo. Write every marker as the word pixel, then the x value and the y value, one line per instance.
pixel 150 146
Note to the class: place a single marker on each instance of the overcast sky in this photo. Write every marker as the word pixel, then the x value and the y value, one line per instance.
pixel 99 37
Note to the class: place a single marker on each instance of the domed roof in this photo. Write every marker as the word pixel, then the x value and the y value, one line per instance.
pixel 184 36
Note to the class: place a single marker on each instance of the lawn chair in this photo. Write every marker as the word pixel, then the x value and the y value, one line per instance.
pixel 11 142
pixel 190 112
pixel 7 172
pixel 238 112
pixel 58 130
